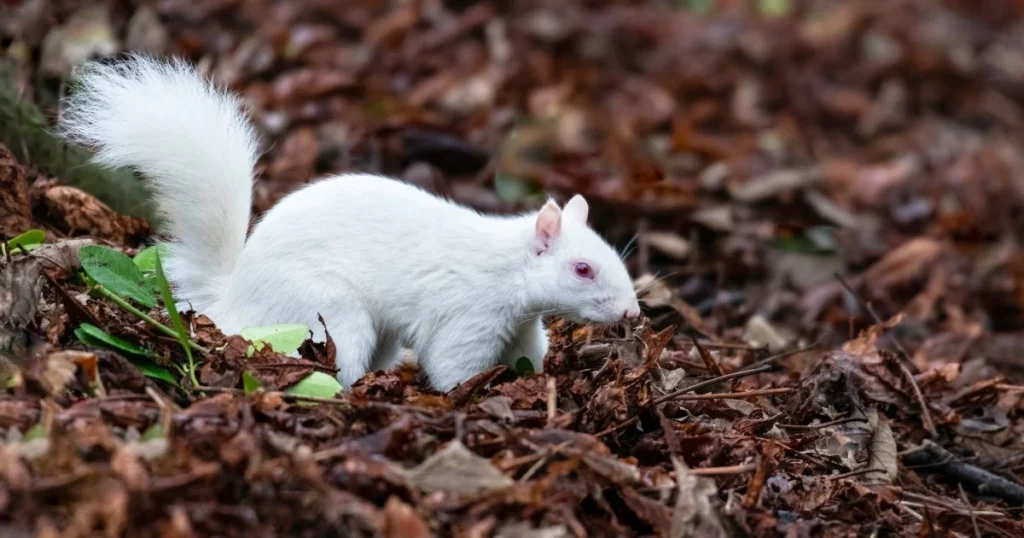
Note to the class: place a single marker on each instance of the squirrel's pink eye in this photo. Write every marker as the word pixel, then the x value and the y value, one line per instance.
pixel 583 270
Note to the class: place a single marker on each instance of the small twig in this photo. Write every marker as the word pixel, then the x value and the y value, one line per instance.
pixel 725 345
pixel 779 356
pixel 955 509
pixel 856 472
pixel 871 312
pixel 970 509
pixel 709 361
pixel 767 420
pixel 552 399
pixel 985 482
pixel 903 506
pixel 536 466
pixel 734 395
pixel 926 415
pixel 726 470
pixel 822 425
pixel 713 381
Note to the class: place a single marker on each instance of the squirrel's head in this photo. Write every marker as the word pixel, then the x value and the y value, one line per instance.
pixel 578 274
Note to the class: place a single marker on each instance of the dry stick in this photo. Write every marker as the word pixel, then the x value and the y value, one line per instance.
pixel 733 395
pixel 955 510
pixel 926 415
pixel 856 472
pixel 778 356
pixel 552 399
pixel 985 482
pixel 822 425
pixel 709 382
pixel 725 345
pixel 709 361
pixel 726 470
pixel 970 509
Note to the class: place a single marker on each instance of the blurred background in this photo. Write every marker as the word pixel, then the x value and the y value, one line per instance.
pixel 743 151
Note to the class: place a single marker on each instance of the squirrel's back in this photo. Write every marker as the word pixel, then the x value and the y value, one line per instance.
pixel 373 237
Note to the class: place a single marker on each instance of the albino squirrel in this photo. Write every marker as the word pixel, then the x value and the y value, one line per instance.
pixel 387 264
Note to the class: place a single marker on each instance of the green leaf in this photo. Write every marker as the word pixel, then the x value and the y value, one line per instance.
pixel 156 431
pixel 155 371
pixel 250 383
pixel 94 336
pixel 316 385
pixel 524 367
pixel 814 240
pixel 35 432
pixel 145 260
pixel 775 8
pixel 172 311
pixel 26 240
pixel 284 338
pixel 172 308
pixel 116 272
pixel 699 7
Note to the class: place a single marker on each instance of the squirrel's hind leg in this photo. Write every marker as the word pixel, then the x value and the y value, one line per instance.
pixel 457 354
pixel 356 341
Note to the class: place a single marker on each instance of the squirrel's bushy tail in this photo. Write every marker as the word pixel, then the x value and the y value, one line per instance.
pixel 195 147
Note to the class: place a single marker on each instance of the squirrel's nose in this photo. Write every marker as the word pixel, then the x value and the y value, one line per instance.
pixel 631 313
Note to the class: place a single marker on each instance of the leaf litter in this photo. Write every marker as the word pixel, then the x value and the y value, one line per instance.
pixel 740 155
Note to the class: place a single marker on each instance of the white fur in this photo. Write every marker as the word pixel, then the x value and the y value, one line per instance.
pixel 386 264
pixel 195 147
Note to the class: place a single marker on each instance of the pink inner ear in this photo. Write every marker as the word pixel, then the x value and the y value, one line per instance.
pixel 549 226
pixel 577 208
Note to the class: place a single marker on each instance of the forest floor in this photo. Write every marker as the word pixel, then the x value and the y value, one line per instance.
pixel 821 202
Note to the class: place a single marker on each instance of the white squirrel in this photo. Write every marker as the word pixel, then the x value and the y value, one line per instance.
pixel 387 264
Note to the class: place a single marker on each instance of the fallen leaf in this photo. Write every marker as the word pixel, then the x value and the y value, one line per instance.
pixel 456 469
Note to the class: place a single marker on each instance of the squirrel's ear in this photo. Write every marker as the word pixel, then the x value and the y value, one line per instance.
pixel 548 228
pixel 576 209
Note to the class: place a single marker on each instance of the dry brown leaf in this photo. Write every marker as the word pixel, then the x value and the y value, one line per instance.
pixel 883 451
pixel 694 513
pixel 21 287
pixel 15 206
pixel 81 212
pixel 402 521
pixel 456 469
pixel 903 264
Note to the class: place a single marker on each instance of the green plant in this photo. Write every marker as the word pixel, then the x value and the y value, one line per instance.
pixel 28 241
pixel 281 338
pixel 116 277
pixel 123 280
pixel 249 383
pixel 116 273
pixel 141 357
pixel 179 326
pixel 524 367
pixel 316 385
